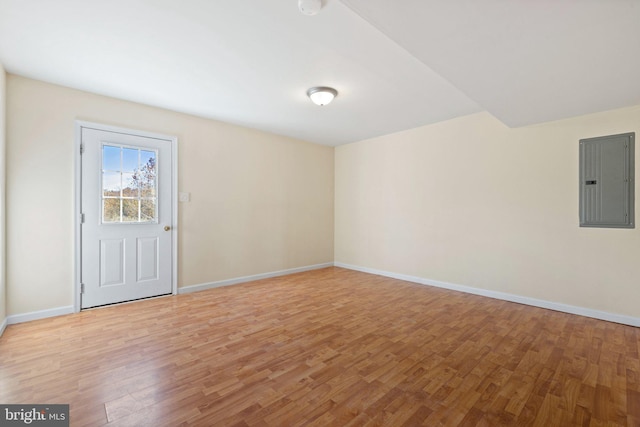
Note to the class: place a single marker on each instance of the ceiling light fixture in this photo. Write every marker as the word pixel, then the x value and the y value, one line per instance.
pixel 322 95
pixel 310 7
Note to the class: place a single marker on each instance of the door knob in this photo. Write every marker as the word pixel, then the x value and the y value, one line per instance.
pixel 167 228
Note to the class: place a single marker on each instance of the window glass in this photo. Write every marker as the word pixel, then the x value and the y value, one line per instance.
pixel 130 159
pixel 111 158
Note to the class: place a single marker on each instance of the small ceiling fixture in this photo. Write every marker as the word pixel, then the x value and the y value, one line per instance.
pixel 322 95
pixel 310 7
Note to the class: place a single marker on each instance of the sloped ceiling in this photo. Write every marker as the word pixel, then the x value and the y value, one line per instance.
pixel 396 64
pixel 525 62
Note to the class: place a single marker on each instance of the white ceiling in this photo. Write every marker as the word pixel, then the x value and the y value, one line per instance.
pixel 524 61
pixel 397 64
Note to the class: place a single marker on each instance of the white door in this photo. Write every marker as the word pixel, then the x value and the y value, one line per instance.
pixel 126 238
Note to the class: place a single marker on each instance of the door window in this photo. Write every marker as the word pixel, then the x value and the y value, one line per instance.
pixel 129 185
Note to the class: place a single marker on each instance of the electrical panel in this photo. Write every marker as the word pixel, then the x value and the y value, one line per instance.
pixel 607 181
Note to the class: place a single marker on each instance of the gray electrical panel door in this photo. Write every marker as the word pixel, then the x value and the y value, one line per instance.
pixel 607 181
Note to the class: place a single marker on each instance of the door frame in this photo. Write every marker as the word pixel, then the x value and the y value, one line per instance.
pixel 77 209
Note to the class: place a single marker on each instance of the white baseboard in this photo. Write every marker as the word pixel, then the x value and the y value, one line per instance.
pixel 3 326
pixel 587 312
pixel 229 282
pixel 36 315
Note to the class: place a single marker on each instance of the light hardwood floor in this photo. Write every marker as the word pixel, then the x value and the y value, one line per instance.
pixel 330 347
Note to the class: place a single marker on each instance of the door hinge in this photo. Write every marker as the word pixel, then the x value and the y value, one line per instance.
pixel 81 218
pixel 81 148
pixel 82 288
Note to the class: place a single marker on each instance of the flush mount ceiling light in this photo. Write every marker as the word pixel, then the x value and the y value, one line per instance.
pixel 322 95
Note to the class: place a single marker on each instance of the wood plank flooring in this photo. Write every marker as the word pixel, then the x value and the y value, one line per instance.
pixel 330 347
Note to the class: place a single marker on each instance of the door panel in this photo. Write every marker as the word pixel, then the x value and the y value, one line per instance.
pixel 111 262
pixel 126 238
pixel 147 258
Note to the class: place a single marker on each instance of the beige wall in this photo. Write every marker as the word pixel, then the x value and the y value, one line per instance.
pixel 3 98
pixel 259 202
pixel 474 203
pixel 467 201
